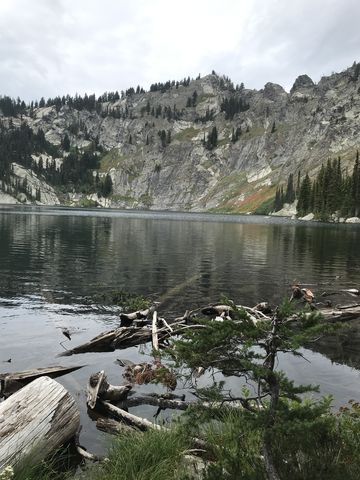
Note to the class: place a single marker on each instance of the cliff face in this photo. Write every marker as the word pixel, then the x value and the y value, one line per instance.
pixel 281 133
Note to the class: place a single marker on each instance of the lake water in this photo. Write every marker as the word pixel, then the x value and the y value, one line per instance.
pixel 52 260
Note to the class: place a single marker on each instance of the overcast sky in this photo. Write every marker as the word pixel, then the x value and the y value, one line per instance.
pixel 50 47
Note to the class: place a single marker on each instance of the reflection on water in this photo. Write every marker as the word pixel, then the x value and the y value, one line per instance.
pixel 51 260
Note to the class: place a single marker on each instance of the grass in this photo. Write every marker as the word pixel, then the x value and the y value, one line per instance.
pixel 186 135
pixel 233 203
pixel 113 159
pixel 253 133
pixel 266 207
pixel 152 455
pixel 122 198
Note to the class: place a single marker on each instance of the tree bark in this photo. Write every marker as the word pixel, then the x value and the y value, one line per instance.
pixel 36 421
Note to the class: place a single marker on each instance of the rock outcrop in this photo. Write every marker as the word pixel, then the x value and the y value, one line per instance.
pixel 279 133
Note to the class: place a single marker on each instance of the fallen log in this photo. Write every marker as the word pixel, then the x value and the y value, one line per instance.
pixel 340 314
pixel 108 425
pixel 11 382
pixel 157 401
pixel 129 418
pixel 143 424
pixel 36 421
pixel 128 318
pixel 218 310
pixel 82 450
pixel 122 337
pixel 99 387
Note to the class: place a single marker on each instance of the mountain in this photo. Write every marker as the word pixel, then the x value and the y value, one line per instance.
pixel 198 145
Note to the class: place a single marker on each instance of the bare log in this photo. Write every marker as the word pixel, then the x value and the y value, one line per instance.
pixel 120 338
pixel 101 343
pixel 109 425
pixel 154 336
pixel 129 418
pixel 12 382
pixel 157 401
pixel 128 318
pixel 98 387
pixel 82 450
pixel 340 315
pixel 218 310
pixel 36 421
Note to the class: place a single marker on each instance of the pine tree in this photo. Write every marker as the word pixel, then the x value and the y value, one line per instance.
pixel 304 197
pixel 212 139
pixel 290 192
pixel 356 186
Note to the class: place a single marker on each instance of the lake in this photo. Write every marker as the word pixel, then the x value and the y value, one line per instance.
pixel 54 260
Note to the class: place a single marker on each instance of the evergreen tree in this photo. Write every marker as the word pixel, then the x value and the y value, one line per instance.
pixel 212 139
pixel 66 143
pixel 356 186
pixel 304 196
pixel 279 199
pixel 290 192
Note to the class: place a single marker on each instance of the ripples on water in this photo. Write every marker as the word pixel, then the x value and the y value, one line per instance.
pixel 53 260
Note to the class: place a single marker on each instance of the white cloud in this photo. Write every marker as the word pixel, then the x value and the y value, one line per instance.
pixel 50 47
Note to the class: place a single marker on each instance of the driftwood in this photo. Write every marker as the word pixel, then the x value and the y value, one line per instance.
pixel 124 337
pixel 154 333
pixel 82 450
pixel 341 314
pixel 127 319
pixel 98 387
pixel 108 425
pixel 11 382
pixel 218 310
pixel 36 421
pixel 129 418
pixel 157 401
pixel 144 424
pixel 120 338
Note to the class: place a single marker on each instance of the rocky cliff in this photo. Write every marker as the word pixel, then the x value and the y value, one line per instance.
pixel 277 133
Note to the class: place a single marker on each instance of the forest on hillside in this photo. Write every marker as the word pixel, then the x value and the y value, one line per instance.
pixel 332 191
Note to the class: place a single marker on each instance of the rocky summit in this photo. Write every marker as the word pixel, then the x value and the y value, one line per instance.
pixel 196 145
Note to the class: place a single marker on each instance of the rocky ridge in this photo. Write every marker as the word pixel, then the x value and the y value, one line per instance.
pixel 281 133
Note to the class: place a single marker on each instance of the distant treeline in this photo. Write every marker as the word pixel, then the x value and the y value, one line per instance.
pixel 331 192
pixel 74 172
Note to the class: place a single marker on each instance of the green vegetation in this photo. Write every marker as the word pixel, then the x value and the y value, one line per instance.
pixel 75 172
pixel 253 133
pixel 276 433
pixel 123 198
pixel 331 192
pixel 265 208
pixel 153 455
pixel 146 200
pixel 186 135
pixel 212 139
pixel 233 105
pixel 112 159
